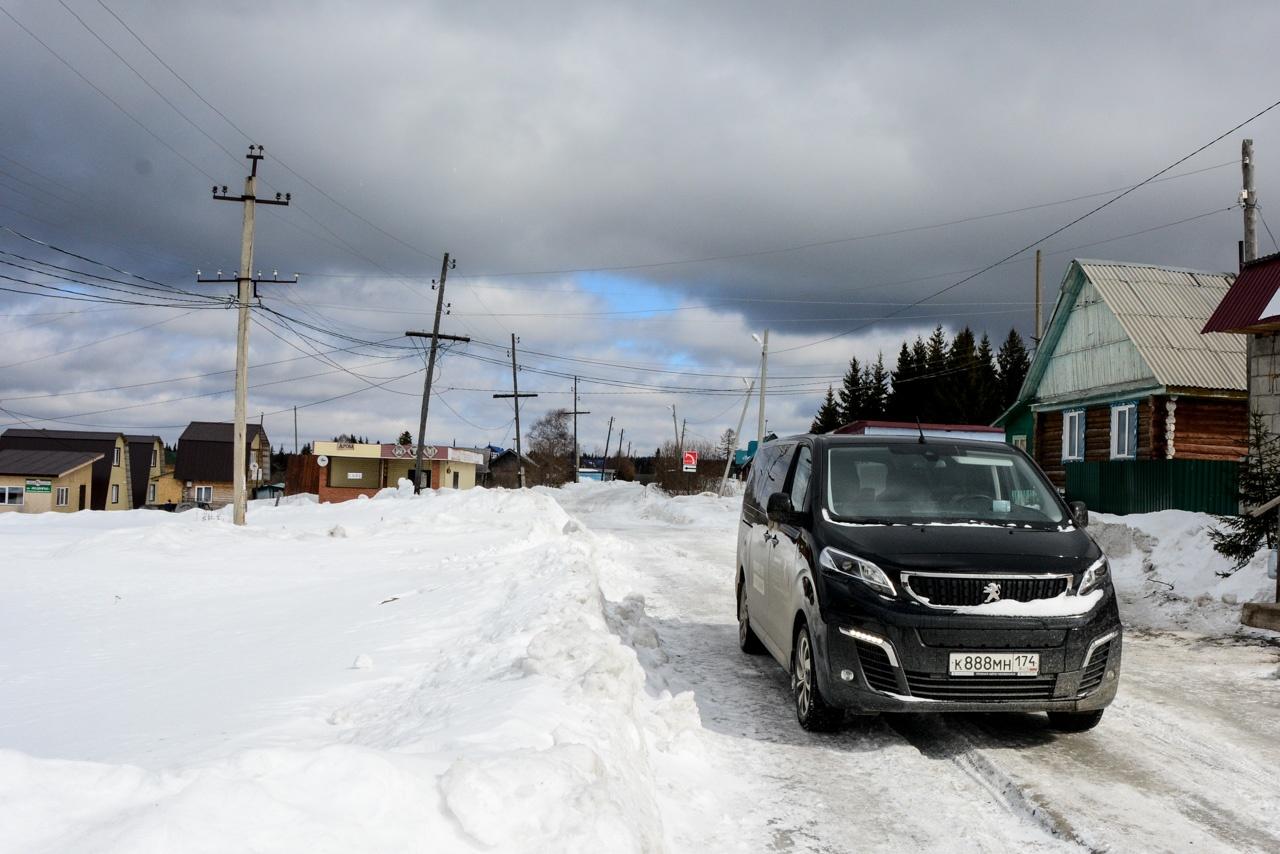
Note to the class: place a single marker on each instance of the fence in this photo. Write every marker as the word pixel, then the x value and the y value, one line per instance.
pixel 1142 486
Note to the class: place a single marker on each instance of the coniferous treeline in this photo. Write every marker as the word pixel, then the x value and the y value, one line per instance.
pixel 960 381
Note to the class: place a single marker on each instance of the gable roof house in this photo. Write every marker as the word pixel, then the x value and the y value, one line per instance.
pixel 1131 408
pixel 1252 308
pixel 110 480
pixel 205 465
pixel 43 481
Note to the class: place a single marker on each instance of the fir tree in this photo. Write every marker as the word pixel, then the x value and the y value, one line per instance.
pixel 987 384
pixel 958 388
pixel 828 417
pixel 1012 363
pixel 1240 537
pixel 875 388
pixel 851 403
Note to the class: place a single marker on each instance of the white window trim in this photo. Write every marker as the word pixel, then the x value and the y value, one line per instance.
pixel 21 494
pixel 115 493
pixel 115 456
pixel 151 493
pixel 62 497
pixel 208 500
pixel 1127 437
pixel 1070 432
pixel 155 457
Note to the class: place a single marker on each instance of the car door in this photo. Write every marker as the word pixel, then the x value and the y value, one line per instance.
pixel 787 563
pixel 766 540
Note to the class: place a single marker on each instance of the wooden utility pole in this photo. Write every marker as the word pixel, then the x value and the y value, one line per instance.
pixel 246 289
pixel 1249 199
pixel 604 461
pixel 445 266
pixel 764 376
pixel 577 455
pixel 1037 333
pixel 295 429
pixel 515 396
pixel 675 429
pixel 618 453
pixel 736 435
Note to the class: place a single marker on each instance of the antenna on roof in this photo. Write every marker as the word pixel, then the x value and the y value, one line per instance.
pixel 920 428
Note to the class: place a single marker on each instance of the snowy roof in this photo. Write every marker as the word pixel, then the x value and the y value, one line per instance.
pixel 44 463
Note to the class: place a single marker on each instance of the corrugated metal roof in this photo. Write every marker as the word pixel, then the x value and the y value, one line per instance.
pixel 66 435
pixel 1244 308
pixel 44 463
pixel 1163 309
pixel 217 431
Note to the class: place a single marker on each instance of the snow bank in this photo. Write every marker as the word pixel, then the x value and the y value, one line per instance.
pixel 206 671
pixel 1166 572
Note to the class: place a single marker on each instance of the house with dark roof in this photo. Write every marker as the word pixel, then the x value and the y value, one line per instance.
pixel 205 467
pixel 43 481
pixel 1126 406
pixel 146 462
pixel 109 487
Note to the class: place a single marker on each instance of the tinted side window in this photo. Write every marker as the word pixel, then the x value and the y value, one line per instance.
pixel 801 477
pixel 759 473
pixel 773 478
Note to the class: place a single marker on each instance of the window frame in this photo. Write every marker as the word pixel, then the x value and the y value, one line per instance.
pixel 61 496
pixel 1126 411
pixel 115 493
pixel 115 456
pixel 1073 432
pixel 9 491
pixel 196 494
pixel 151 493
pixel 155 458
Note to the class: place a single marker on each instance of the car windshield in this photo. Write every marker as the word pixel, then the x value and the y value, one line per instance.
pixel 936 482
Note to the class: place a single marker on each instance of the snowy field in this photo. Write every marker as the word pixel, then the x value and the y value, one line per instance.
pixel 556 670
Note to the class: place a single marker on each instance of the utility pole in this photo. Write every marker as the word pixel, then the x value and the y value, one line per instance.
pixel 764 376
pixel 684 422
pixel 515 396
pixel 1037 333
pixel 736 433
pixel 577 455
pixel 604 461
pixel 1249 199
pixel 295 429
pixel 246 289
pixel 445 266
pixel 675 429
pixel 618 453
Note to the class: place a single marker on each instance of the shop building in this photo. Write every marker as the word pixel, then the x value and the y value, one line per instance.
pixel 351 469
pixel 33 481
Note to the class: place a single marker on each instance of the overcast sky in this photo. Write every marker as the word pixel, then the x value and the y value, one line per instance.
pixel 583 162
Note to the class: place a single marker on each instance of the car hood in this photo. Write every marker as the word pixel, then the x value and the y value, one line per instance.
pixel 964 547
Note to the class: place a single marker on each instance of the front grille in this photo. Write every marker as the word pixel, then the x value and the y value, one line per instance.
pixel 980 689
pixel 1092 676
pixel 950 591
pixel 987 639
pixel 877 669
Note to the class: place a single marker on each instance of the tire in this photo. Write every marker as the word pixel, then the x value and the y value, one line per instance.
pixel 747 640
pixel 812 710
pixel 1074 721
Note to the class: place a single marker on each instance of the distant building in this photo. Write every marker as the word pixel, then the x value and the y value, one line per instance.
pixel 1126 406
pixel 34 481
pixel 110 484
pixel 978 432
pixel 146 462
pixel 504 470
pixel 1252 308
pixel 352 469
pixel 206 461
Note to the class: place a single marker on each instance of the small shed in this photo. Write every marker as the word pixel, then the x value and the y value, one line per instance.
pixel 1132 408
pixel 43 481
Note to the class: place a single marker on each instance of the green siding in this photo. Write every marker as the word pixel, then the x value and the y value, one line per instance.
pixel 1021 422
pixel 1142 486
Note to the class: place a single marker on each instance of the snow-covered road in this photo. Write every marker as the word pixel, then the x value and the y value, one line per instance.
pixel 1184 760
pixel 557 670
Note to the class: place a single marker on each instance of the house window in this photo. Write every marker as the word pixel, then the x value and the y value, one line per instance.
pixel 1073 435
pixel 204 494
pixel 455 480
pixel 115 456
pixel 155 457
pixel 1124 431
pixel 1020 442
pixel 151 493
pixel 115 493
pixel 11 495
pixel 63 496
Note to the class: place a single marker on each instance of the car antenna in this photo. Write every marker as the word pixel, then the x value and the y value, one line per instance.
pixel 920 428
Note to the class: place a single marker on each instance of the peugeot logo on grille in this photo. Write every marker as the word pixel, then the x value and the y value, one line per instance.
pixel 992 592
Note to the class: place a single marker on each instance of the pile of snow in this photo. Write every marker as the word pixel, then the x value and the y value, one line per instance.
pixel 634 502
pixel 1168 576
pixel 444 674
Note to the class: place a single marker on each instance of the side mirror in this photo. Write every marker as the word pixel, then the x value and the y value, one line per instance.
pixel 780 509
pixel 1080 512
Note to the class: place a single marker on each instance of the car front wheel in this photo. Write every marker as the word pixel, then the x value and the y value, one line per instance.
pixel 812 710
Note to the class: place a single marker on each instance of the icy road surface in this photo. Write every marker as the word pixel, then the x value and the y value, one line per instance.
pixel 557 670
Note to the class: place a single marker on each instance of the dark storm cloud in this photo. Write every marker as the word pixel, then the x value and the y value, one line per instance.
pixel 544 137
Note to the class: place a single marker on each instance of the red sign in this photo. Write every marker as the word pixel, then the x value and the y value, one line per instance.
pixel 691 461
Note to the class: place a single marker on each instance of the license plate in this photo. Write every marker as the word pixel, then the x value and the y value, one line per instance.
pixel 995 664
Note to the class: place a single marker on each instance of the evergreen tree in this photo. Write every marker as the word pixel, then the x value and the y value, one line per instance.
pixel 934 399
pixel 1012 363
pixel 958 388
pixel 406 438
pixel 876 389
pixel 1240 537
pixel 987 384
pixel 851 403
pixel 828 417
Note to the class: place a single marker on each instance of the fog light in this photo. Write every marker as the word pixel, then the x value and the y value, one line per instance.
pixel 847 675
pixel 1111 674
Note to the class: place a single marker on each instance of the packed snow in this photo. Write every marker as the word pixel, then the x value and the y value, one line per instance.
pixel 556 670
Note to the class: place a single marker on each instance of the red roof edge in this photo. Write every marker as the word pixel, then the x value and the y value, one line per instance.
pixel 1240 310
pixel 856 426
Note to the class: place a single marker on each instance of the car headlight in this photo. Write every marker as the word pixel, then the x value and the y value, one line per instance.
pixel 1094 576
pixel 855 567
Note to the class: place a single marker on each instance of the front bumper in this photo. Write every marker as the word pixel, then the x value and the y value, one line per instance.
pixel 893 657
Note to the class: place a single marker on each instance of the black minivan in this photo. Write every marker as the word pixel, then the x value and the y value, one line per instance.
pixel 896 574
